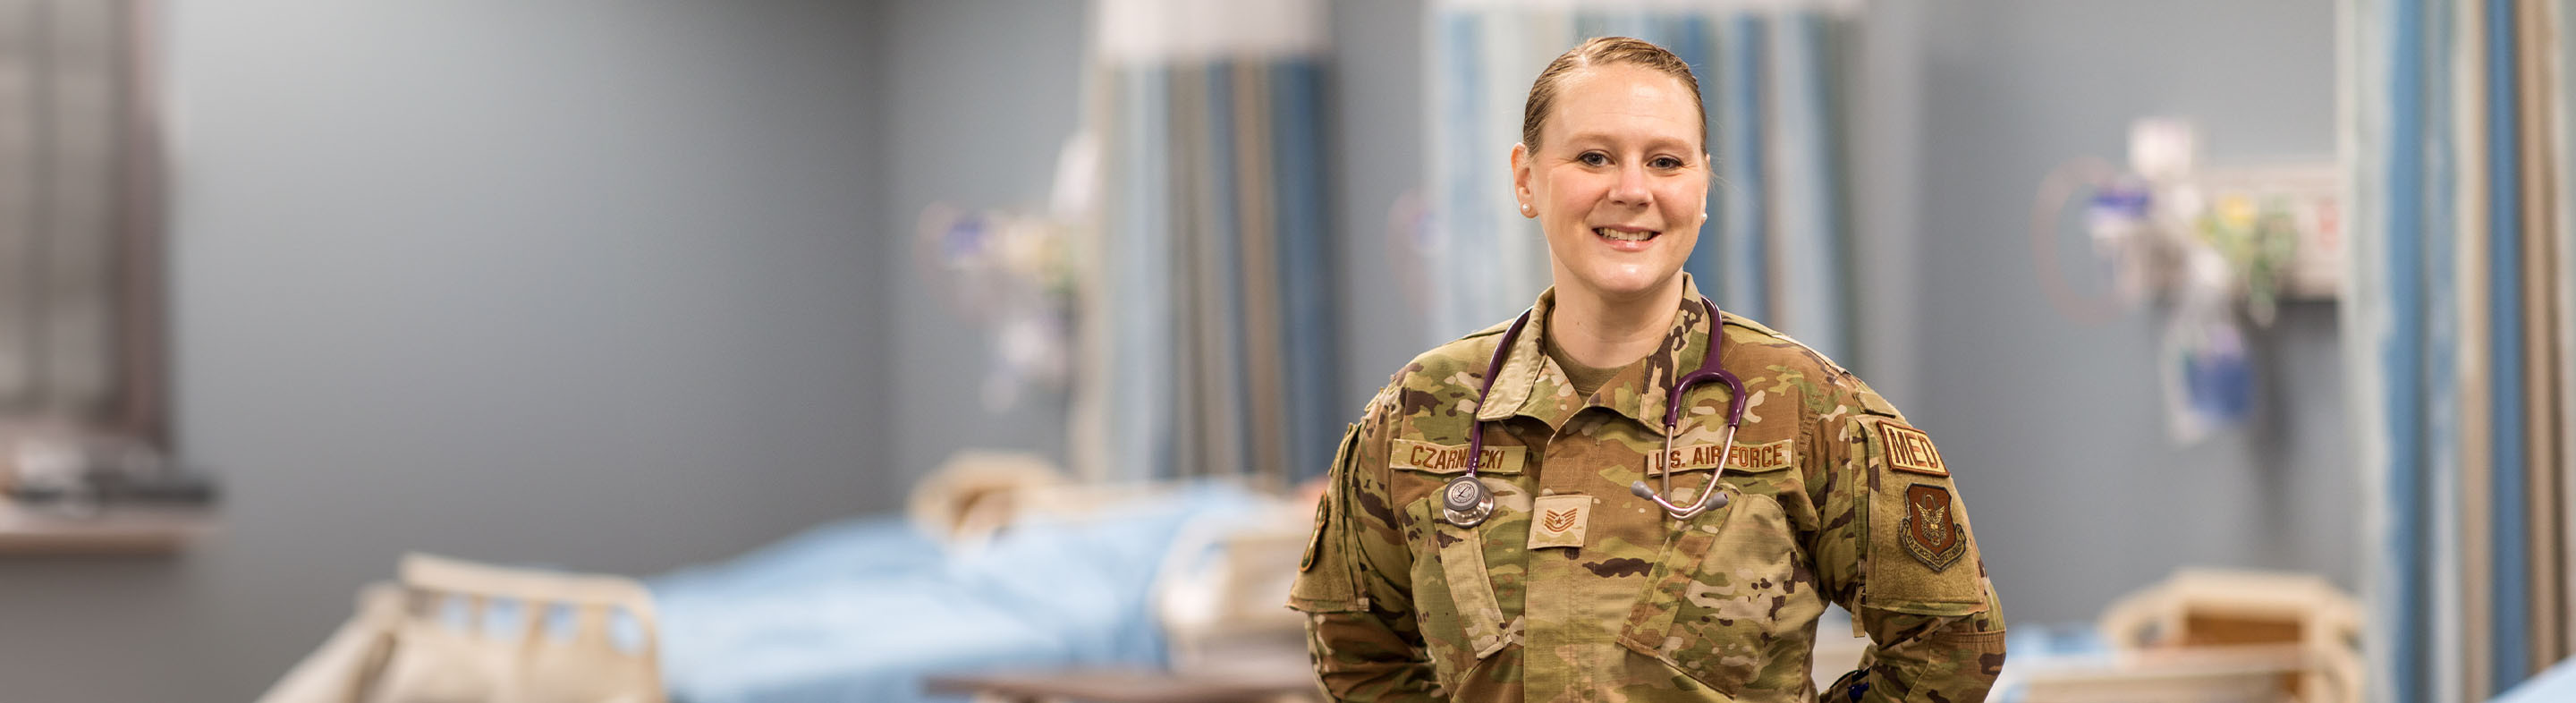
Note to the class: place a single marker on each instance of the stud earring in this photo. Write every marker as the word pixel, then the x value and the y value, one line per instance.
pixel 1527 211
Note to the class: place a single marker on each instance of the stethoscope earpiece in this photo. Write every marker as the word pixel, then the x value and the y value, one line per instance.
pixel 1642 490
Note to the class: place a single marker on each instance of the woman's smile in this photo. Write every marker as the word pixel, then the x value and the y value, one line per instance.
pixel 1626 238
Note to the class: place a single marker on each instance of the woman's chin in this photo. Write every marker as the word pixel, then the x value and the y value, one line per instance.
pixel 1630 283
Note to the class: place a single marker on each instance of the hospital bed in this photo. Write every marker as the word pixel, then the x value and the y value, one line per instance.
pixel 1000 576
pixel 2199 636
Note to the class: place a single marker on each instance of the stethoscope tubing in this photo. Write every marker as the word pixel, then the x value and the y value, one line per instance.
pixel 1710 369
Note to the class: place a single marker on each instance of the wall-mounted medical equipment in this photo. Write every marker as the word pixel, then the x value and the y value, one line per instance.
pixel 2200 244
pixel 1013 273
pixel 2274 228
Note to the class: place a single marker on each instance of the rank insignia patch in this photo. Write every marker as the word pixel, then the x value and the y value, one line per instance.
pixel 1928 532
pixel 1908 449
pixel 1559 520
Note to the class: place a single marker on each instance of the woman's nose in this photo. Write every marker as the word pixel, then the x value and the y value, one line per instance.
pixel 1631 187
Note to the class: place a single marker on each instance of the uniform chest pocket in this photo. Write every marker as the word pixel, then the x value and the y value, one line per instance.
pixel 1462 625
pixel 1729 598
pixel 1465 579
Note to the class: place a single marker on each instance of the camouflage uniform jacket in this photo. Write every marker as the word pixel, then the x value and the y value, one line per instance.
pixel 1576 590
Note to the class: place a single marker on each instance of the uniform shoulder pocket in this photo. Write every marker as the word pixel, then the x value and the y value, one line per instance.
pixel 1922 558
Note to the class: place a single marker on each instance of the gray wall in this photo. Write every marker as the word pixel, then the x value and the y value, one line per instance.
pixel 2056 426
pixel 588 283
pixel 984 93
pixel 1375 87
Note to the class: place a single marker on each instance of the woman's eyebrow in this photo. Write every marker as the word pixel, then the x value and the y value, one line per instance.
pixel 1660 142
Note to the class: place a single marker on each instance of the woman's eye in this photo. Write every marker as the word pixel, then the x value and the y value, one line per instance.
pixel 1593 158
pixel 1667 163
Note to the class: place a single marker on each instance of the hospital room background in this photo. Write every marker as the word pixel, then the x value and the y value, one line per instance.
pixel 845 348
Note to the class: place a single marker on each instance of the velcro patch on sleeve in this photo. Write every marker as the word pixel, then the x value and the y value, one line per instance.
pixel 1922 554
pixel 1911 450
pixel 1315 536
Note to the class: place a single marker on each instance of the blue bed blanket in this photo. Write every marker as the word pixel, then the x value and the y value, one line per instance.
pixel 863 610
pixel 2557 683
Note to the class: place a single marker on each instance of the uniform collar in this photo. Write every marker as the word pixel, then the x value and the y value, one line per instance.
pixel 1531 384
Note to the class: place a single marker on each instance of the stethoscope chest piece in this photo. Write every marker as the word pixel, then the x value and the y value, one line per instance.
pixel 1465 501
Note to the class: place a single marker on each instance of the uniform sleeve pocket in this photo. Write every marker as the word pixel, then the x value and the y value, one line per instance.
pixel 1327 580
pixel 1922 558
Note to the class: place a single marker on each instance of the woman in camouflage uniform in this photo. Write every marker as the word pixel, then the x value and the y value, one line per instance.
pixel 1569 588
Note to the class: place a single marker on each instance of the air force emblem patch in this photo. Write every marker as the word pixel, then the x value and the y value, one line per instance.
pixel 1928 532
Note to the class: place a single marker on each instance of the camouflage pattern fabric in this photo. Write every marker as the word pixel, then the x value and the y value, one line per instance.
pixel 1576 590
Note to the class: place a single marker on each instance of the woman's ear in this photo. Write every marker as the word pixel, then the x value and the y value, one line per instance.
pixel 1521 180
pixel 1708 174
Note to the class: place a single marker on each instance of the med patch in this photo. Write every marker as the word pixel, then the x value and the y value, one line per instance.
pixel 1911 450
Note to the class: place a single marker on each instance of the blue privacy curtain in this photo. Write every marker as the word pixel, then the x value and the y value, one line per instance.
pixel 2462 314
pixel 1213 342
pixel 1776 247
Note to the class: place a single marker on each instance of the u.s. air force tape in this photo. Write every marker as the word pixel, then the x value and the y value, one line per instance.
pixel 1742 458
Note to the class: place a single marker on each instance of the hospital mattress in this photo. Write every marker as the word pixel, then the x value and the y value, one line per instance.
pixel 865 609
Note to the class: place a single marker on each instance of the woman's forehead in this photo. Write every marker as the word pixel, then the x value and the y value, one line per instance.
pixel 1624 101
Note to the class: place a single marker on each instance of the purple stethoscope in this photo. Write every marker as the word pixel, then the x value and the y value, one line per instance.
pixel 1466 502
